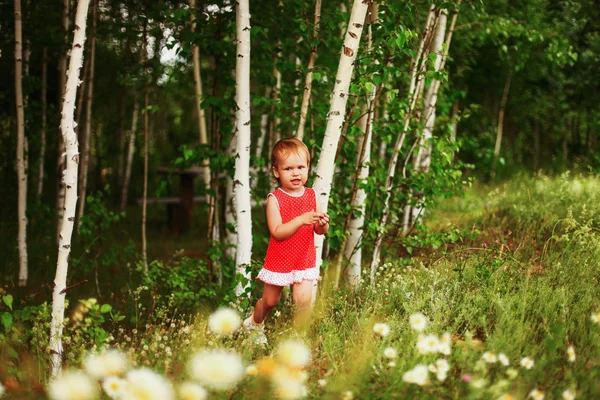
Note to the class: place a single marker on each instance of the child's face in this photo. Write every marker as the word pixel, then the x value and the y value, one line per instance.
pixel 292 171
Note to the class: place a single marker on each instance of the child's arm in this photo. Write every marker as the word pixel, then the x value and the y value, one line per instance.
pixel 322 225
pixel 281 231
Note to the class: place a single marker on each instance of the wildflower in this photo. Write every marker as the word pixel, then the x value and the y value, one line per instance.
pixel 114 386
pixel 568 394
pixel 445 343
pixel 347 395
pixel 489 357
pixel 596 318
pixel 72 385
pixel 266 366
pixel 527 363
pixel 536 394
pixel 478 383
pixel 224 321
pixel 110 363
pixel 503 359
pixel 382 329
pixel 143 383
pixel 390 352
pixel 192 391
pixel 217 369
pixel 251 370
pixel 466 378
pixel 418 322
pixel 571 353
pixel 441 369
pixel 512 373
pixel 289 388
pixel 322 382
pixel 294 353
pixel 428 344
pixel 418 375
pixel 391 364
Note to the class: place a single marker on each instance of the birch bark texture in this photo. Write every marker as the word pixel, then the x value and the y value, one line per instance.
pixel 242 157
pixel 335 117
pixel 21 171
pixel 44 105
pixel 69 179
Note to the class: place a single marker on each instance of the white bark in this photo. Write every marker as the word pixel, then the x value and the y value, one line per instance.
pixel 21 170
pixel 335 116
pixel 70 182
pixel 89 94
pixel 230 213
pixel 309 73
pixel 501 125
pixel 40 185
pixel 145 193
pixel 242 161
pixel 264 127
pixel 130 151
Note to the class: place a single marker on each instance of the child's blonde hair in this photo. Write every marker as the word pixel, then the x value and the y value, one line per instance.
pixel 286 146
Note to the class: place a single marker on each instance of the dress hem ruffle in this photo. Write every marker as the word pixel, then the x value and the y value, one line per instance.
pixel 288 278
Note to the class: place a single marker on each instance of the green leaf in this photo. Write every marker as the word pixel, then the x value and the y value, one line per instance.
pixel 105 308
pixel 8 300
pixel 7 320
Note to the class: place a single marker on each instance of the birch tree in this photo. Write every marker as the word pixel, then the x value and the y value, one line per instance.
pixel 335 116
pixel 70 181
pixel 242 157
pixel 500 127
pixel 44 105
pixel 21 171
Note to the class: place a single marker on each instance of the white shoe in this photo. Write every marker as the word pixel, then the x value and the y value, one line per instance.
pixel 255 330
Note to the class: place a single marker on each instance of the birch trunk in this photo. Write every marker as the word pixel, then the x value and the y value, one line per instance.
pixel 89 94
pixel 21 171
pixel 122 137
pixel 413 95
pixel 500 125
pixel 61 160
pixel 264 127
pixel 335 117
pixel 230 213
pixel 70 181
pixel 130 151
pixel 145 194
pixel 242 160
pixel 41 171
pixel 309 73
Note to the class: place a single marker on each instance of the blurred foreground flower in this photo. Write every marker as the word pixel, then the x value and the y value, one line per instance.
pixel 440 368
pixel 596 318
pixel 536 394
pixel 322 382
pixel 224 321
pixel 390 352
pixel 428 344
pixel 382 329
pixel 289 388
pixel 73 385
pixel 568 394
pixel 418 321
pixel 348 395
pixel 294 353
pixel 571 353
pixel 251 370
pixel 192 391
pixel 418 375
pixel 445 343
pixel 110 363
pixel 114 387
pixel 489 357
pixel 146 384
pixel 503 359
pixel 218 369
pixel 527 363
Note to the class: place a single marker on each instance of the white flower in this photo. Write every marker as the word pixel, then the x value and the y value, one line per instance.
pixel 322 382
pixel 382 329
pixel 418 322
pixel 390 352
pixel 489 357
pixel 294 353
pixel 418 375
pixel 536 394
pixel 212 9
pixel 503 359
pixel 444 347
pixel 441 369
pixel 568 394
pixel 527 363
pixel 143 383
pixel 289 388
pixel 110 363
pixel 571 353
pixel 114 386
pixel 428 344
pixel 224 321
pixel 596 318
pixel 217 369
pixel 391 364
pixel 72 385
pixel 251 370
pixel 192 391
pixel 347 395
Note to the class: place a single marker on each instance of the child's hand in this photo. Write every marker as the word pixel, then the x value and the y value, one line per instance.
pixel 309 218
pixel 323 219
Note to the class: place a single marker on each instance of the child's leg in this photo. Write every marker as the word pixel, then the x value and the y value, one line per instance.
pixel 302 297
pixel 270 298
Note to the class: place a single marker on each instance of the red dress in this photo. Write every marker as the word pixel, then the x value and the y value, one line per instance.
pixel 293 259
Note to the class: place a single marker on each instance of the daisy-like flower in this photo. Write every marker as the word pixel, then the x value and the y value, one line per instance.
pixel 596 318
pixel 114 386
pixel 143 383
pixel 218 369
pixel 418 375
pixel 489 357
pixel 503 359
pixel 391 364
pixel 418 321
pixel 348 395
pixel 224 321
pixel 251 370
pixel 571 353
pixel 73 385
pixel 192 391
pixel 390 352
pixel 527 363
pixel 536 394
pixel 110 363
pixel 568 394
pixel 290 388
pixel 428 344
pixel 382 329
pixel 322 382
pixel 444 346
pixel 441 369
pixel 294 353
